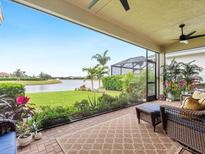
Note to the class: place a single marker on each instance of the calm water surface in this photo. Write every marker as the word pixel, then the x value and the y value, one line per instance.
pixel 65 85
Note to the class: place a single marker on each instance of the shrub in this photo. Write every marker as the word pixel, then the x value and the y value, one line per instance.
pixel 106 98
pixel 123 100
pixel 12 90
pixel 127 79
pixel 83 107
pixel 114 82
pixel 93 102
pixel 105 102
pixel 48 116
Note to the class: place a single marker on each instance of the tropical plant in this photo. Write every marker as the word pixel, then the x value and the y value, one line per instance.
pixel 114 82
pixel 172 75
pixel 127 79
pixel 93 102
pixel 180 77
pixel 102 59
pixel 23 129
pixel 190 73
pixel 15 110
pixel 91 74
pixel 101 72
pixel 172 72
pixel 83 107
pixel 49 116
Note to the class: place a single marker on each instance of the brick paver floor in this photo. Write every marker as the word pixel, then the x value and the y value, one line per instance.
pixel 49 144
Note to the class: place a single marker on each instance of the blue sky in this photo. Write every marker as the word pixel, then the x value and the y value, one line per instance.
pixel 34 41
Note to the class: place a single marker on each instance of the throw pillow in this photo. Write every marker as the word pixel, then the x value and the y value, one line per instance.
pixel 202 101
pixel 192 104
pixel 198 95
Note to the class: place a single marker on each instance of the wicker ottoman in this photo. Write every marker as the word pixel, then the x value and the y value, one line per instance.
pixel 149 112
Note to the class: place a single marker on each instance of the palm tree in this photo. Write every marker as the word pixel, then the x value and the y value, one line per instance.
pixel 101 72
pixel 102 59
pixel 191 72
pixel 91 73
pixel 19 73
pixel 172 72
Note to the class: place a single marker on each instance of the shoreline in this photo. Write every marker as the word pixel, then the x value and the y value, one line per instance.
pixel 30 83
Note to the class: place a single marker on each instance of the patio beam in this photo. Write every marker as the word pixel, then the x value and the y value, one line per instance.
pixel 67 11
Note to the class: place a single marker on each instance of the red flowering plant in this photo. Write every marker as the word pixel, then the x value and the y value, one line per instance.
pixel 15 110
pixel 25 110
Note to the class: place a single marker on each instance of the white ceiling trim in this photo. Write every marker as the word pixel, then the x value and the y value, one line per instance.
pixel 186 52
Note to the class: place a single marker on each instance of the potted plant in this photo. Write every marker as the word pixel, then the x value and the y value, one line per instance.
pixel 19 111
pixel 25 135
pixel 37 135
pixel 190 74
pixel 172 74
pixel 180 78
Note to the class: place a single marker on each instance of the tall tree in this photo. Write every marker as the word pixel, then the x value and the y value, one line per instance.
pixel 19 73
pixel 101 72
pixel 45 76
pixel 102 58
pixel 91 74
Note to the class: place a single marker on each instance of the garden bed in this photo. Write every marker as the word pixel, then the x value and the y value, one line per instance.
pixel 61 122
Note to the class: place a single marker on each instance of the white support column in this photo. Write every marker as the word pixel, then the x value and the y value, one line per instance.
pixel 162 62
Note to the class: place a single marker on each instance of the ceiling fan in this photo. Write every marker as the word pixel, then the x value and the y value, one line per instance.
pixel 124 3
pixel 185 38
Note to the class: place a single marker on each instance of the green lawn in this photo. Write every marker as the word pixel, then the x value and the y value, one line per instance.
pixel 63 98
pixel 34 82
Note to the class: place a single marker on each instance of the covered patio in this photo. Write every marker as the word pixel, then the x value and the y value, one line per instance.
pixel 150 25
pixel 153 25
pixel 112 133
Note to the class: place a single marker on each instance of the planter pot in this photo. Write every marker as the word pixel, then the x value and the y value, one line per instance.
pixel 24 141
pixel 172 97
pixel 185 92
pixel 27 119
pixel 37 136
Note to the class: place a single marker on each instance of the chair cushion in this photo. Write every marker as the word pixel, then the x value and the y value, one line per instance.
pixel 198 95
pixel 8 143
pixel 192 104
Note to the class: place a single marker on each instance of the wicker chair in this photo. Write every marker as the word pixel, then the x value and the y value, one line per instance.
pixel 6 125
pixel 185 126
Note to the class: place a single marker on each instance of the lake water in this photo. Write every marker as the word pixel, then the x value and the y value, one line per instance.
pixel 63 86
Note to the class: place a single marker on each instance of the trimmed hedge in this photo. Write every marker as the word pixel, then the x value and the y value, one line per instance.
pixel 21 79
pixel 114 82
pixel 12 89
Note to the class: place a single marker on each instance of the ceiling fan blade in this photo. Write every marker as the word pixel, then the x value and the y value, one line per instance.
pixel 191 33
pixel 92 3
pixel 125 4
pixel 196 36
